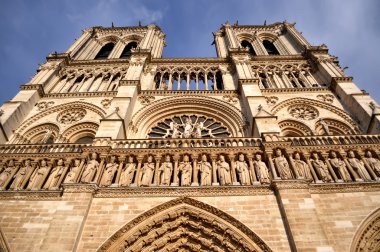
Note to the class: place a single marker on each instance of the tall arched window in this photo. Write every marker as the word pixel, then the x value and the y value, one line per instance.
pixel 248 45
pixel 105 51
pixel 127 50
pixel 271 49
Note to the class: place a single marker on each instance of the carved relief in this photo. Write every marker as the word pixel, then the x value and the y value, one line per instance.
pixel 303 112
pixel 271 100
pixel 71 116
pixel 44 105
pixel 146 99
pixel 106 103
pixel 231 98
pixel 326 98
pixel 189 126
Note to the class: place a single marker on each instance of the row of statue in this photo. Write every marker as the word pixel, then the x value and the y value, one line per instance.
pixel 245 170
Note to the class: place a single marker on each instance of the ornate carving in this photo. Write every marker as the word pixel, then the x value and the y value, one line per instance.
pixel 44 105
pixel 146 99
pixel 106 103
pixel 326 98
pixel 303 112
pixel 71 116
pixel 233 98
pixel 271 100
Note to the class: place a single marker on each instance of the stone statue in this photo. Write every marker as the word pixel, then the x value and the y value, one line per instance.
pixel 325 127
pixel 373 163
pixel 5 175
pixel 127 173
pixel 47 136
pixel 224 171
pixel 90 170
pixel 70 177
pixel 55 174
pixel 339 167
pixel 282 165
pixel 175 129
pixel 147 172
pixel 358 166
pixel 321 168
pixel 242 169
pixel 205 169
pixel 185 168
pixel 20 175
pixel 188 128
pixel 166 171
pixel 198 127
pixel 38 175
pixel 261 170
pixel 302 169
pixel 109 172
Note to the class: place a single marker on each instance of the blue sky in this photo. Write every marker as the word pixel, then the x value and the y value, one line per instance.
pixel 32 29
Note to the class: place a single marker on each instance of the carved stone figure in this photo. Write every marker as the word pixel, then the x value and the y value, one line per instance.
pixel 358 166
pixel 373 163
pixel 109 172
pixel 242 169
pixel 198 127
pixel 4 176
pixel 325 127
pixel 261 170
pixel 302 169
pixel 70 177
pixel 38 175
pixel 339 167
pixel 55 174
pixel 147 172
pixel 47 136
pixel 282 165
pixel 321 168
pixel 185 168
pixel 166 171
pixel 19 177
pixel 127 173
pixel 188 128
pixel 224 171
pixel 90 170
pixel 175 129
pixel 205 169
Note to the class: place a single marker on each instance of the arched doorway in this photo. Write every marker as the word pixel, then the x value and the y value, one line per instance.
pixel 184 224
pixel 367 236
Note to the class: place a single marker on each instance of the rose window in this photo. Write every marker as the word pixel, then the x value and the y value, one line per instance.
pixel 189 126
pixel 71 116
pixel 303 112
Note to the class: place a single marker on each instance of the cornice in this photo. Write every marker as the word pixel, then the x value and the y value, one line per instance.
pixel 31 195
pixel 188 92
pixel 269 27
pixel 81 94
pixel 211 191
pixel 345 187
pixel 295 90
pixel 37 87
pixel 269 58
pixel 189 60
pixel 102 62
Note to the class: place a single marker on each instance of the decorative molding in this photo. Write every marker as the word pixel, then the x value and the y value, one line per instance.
pixel 31 195
pixel 345 187
pixel 37 87
pixel 295 90
pixel 82 94
pixel 188 92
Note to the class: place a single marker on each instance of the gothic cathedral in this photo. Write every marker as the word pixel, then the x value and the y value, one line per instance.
pixel 267 147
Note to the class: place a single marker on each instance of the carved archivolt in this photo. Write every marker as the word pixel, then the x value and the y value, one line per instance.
pixel 80 130
pixel 62 107
pixel 294 128
pixel 335 127
pixel 187 225
pixel 35 134
pixel 147 117
pixel 367 236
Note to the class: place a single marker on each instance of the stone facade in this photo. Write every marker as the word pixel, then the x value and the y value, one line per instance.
pixel 267 147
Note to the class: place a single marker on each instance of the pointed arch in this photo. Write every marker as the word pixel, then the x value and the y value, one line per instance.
pixel 80 130
pixel 367 236
pixel 293 128
pixel 35 134
pixel 58 108
pixel 184 223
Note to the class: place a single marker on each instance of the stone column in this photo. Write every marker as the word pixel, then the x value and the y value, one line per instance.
pixel 331 170
pixel 214 177
pixel 156 174
pixel 233 169
pixel 252 172
pixel 350 169
pixel 195 170
pixel 366 165
pixel 67 165
pixel 313 173
pixel 80 171
pixel 272 167
pixel 99 173
pixel 136 182
pixel 175 172
pixel 119 170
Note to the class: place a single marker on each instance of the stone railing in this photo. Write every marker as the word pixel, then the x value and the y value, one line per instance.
pixel 40 148
pixel 333 140
pixel 179 143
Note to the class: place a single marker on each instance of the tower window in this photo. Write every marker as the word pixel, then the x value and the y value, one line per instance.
pixel 127 50
pixel 271 49
pixel 105 51
pixel 248 45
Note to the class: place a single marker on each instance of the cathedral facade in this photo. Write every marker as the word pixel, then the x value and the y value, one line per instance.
pixel 267 147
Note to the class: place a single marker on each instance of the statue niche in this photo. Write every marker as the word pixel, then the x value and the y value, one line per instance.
pixel 189 126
